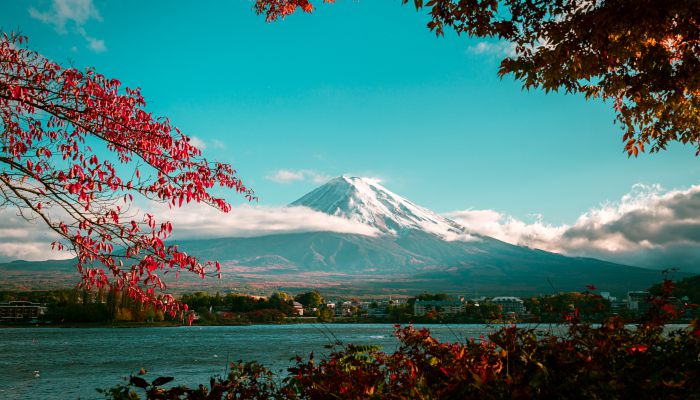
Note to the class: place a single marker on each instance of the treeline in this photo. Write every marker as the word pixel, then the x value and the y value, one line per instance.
pixel 76 306
pixel 240 308
pixel 686 287
pixel 473 312
pixel 81 306
pixel 237 308
pixel 551 308
pixel 103 306
pixel 554 308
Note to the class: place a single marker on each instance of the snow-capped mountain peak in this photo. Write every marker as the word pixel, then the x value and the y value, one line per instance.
pixel 366 201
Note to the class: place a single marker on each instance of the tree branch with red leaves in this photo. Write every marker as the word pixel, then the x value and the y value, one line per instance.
pixel 72 150
pixel 276 9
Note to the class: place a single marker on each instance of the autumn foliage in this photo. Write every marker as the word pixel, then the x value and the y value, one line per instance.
pixel 641 55
pixel 611 361
pixel 275 9
pixel 76 148
pixel 573 360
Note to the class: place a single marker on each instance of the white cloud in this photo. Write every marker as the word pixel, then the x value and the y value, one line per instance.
pixel 509 229
pixel 500 49
pixel 197 142
pixel 26 240
pixel 96 45
pixel 31 240
pixel 62 11
pixel 74 14
pixel 218 144
pixel 646 227
pixel 200 221
pixel 286 176
pixel 30 251
pixel 289 176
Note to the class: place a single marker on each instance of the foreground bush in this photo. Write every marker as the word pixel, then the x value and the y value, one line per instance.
pixel 609 361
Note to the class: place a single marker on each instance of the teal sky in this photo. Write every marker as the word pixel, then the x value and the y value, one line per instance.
pixel 361 88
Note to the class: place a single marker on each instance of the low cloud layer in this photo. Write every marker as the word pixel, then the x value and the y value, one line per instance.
pixel 31 240
pixel 26 240
pixel 198 221
pixel 648 227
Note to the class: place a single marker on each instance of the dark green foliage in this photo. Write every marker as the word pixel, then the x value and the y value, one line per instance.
pixel 45 297
pixel 93 312
pixel 237 308
pixel 432 297
pixel 687 287
pixel 326 314
pixel 80 306
pixel 588 306
pixel 311 299
pixel 401 312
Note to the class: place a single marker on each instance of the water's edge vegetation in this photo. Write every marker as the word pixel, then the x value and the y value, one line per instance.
pixel 607 361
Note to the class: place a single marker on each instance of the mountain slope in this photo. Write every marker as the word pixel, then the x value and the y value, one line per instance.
pixel 414 262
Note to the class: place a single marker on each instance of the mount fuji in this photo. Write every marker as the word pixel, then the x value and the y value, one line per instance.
pixel 366 201
pixel 414 250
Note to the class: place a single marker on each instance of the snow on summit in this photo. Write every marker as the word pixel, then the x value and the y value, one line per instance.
pixel 365 200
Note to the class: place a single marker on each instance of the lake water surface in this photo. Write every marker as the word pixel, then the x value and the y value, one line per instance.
pixel 72 362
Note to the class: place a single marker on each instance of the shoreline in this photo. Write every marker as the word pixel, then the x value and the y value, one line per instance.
pixel 126 325
pixel 133 325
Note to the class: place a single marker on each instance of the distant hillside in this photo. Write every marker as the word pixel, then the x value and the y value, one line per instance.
pixel 33 275
pixel 413 262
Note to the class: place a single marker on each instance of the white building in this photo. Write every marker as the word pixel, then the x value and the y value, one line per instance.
pixel 510 305
pixel 298 309
pixel 442 307
pixel 20 310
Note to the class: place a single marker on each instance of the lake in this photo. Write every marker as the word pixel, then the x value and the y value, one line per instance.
pixel 72 362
